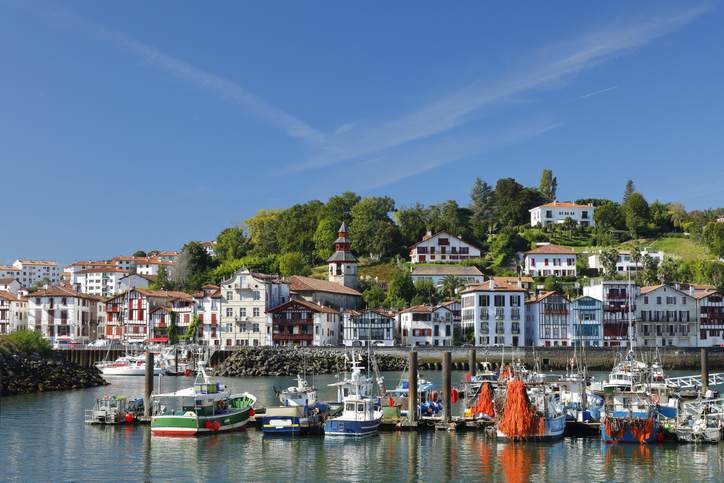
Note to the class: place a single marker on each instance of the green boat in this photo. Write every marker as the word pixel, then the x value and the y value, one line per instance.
pixel 204 408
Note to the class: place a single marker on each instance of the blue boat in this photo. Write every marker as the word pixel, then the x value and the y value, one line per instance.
pixel 630 417
pixel 361 413
pixel 301 413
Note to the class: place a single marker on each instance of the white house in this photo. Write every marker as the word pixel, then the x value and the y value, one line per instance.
pixel 134 280
pixel 369 327
pixel 208 309
pixel 547 320
pixel 435 273
pixel 550 259
pixel 624 263
pixel 493 309
pixel 60 313
pixel 618 299
pixel 150 266
pixel 426 326
pixel 442 247
pixel 298 322
pixel 666 316
pixel 557 212
pixel 103 281
pixel 13 312
pixel 245 299
pixel 10 271
pixel 127 262
pixel 36 270
pixel 9 285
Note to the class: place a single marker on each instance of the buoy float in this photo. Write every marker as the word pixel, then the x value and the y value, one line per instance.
pixel 208 425
pixel 454 396
pixel 434 396
pixel 660 437
pixel 252 412
pixel 467 376
pixel 216 425
pixel 392 401
pixel 129 417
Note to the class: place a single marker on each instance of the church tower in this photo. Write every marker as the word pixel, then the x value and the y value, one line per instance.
pixel 342 264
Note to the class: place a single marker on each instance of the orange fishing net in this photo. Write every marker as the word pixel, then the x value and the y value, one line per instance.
pixel 642 434
pixel 518 420
pixel 486 401
pixel 613 434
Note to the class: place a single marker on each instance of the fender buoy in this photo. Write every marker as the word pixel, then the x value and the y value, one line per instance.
pixel 434 396
pixel 208 425
pixel 187 372
pixel 467 376
pixel 216 426
pixel 454 396
pixel 392 402
pixel 129 417
pixel 252 412
pixel 655 398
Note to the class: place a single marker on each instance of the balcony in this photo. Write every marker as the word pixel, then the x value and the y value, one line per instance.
pixel 292 337
pixel 484 329
pixel 618 307
pixel 113 308
pixel 485 315
pixel 295 322
pixel 555 310
pixel 515 329
pixel 500 329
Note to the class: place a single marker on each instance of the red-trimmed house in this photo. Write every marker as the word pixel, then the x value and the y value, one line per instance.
pixel 298 322
pixel 711 318
pixel 443 247
pixel 548 316
pixel 128 314
pixel 550 259
pixel 208 309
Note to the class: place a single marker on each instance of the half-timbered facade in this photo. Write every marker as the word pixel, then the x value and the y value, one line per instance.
pixel 586 323
pixel 13 312
pixel 370 327
pixel 711 318
pixel 618 307
pixel 128 315
pixel 298 322
pixel 62 314
pixel 549 317
pixel 426 326
pixel 443 247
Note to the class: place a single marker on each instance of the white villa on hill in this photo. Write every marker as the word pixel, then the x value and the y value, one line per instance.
pixel 557 212
pixel 442 247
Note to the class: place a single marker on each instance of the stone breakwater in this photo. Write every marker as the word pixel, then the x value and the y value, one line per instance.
pixel 31 374
pixel 260 362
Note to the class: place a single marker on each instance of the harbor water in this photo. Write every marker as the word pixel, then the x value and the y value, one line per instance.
pixel 44 438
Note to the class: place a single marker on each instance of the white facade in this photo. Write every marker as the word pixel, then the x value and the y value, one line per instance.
pixel 133 280
pixel 550 259
pixel 13 313
pixel 666 317
pixel 33 271
pixel 208 309
pixel 548 320
pixel 426 326
pixel 557 212
pixel 245 298
pixel 494 309
pixel 624 263
pixel 10 271
pixel 9 285
pixel 99 281
pixel 711 319
pixel 437 273
pixel 374 327
pixel 150 266
pixel 442 247
pixel 60 313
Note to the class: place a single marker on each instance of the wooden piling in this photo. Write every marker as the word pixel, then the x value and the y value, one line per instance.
pixel 473 363
pixel 704 370
pixel 446 387
pixel 149 384
pixel 413 408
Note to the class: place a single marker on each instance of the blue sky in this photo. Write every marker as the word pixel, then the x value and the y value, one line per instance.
pixel 144 125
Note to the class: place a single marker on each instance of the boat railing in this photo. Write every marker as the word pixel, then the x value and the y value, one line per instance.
pixel 704 406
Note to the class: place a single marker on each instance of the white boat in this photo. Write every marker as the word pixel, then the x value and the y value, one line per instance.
pixel 129 366
pixel 361 413
pixel 704 429
pixel 114 410
pixel 301 413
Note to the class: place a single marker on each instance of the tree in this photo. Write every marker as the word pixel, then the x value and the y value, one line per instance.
pixel 293 264
pixel 450 284
pixel 297 226
pixel 172 330
pixel 551 284
pixel 262 230
pixel 139 254
pixel 609 259
pixel 411 221
pixel 678 213
pixel 667 270
pixel 366 217
pixel 374 296
pixel 401 288
pixel 713 234
pixel 651 268
pixel 162 281
pixel 570 224
pixel 637 213
pixel 231 244
pixel 548 185
pixel 190 267
pixel 482 201
pixel 427 290
pixel 630 189
pixel 324 237
pixel 608 215
pixel 339 208
pixel 387 239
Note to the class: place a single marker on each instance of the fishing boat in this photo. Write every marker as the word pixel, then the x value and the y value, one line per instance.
pixel 114 410
pixel 206 407
pixel 704 429
pixel 361 412
pixel 528 411
pixel 301 413
pixel 631 417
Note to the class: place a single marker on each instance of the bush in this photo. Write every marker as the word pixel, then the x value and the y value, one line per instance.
pixel 26 342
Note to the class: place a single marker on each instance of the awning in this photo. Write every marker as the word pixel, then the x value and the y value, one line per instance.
pixel 62 338
pixel 159 339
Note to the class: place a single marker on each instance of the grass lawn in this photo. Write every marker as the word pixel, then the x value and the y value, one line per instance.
pixel 680 247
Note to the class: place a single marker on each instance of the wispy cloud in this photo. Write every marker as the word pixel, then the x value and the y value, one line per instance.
pixel 224 89
pixel 550 68
pixel 594 93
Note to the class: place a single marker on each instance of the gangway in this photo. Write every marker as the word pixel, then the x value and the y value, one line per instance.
pixel 703 406
pixel 695 381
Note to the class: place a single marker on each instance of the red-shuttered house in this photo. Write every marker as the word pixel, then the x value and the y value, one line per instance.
pixel 128 314
pixel 208 308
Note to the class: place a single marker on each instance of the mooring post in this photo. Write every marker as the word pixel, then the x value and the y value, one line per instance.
pixel 704 370
pixel 149 384
pixel 446 387
pixel 412 409
pixel 473 363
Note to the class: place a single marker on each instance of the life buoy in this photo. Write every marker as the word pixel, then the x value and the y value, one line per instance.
pixel 221 405
pixel 655 398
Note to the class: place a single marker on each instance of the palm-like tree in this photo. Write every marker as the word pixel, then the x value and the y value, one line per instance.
pixel 450 284
pixel 636 256
pixel 609 258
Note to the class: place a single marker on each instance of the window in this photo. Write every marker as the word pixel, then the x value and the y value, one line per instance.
pixel 229 312
pixel 515 300
pixel 500 300
pixel 256 312
pixel 658 300
pixel 546 262
pixel 646 300
pixel 255 327
pixel 242 312
pixel 483 300
pixel 229 295
pixel 257 295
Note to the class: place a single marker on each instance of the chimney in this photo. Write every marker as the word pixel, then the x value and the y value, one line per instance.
pixel 520 283
pixel 460 237
pixel 691 290
pixel 492 284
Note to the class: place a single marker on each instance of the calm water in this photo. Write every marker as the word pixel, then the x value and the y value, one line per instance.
pixel 43 438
